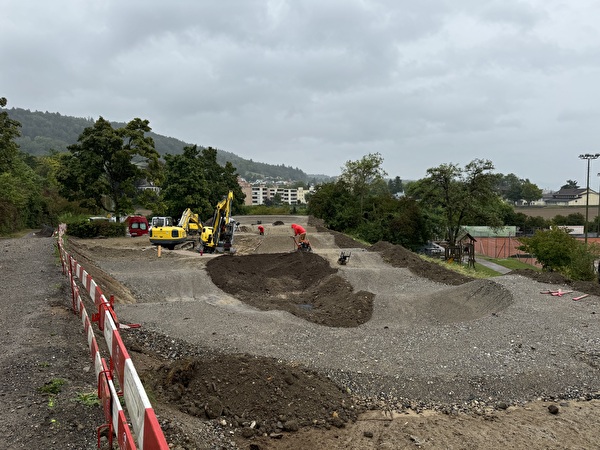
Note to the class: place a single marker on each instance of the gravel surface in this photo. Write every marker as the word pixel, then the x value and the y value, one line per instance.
pixel 487 348
pixel 486 340
pixel 44 361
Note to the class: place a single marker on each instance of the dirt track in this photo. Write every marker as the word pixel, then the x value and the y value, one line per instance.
pixel 477 348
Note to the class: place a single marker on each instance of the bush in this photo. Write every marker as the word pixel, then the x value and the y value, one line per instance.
pixel 96 228
pixel 558 251
pixel 582 264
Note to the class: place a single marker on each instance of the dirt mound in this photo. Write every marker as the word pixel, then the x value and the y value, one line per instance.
pixel 469 301
pixel 46 231
pixel 303 284
pixel 259 394
pixel 343 241
pixel 589 287
pixel 398 256
pixel 278 222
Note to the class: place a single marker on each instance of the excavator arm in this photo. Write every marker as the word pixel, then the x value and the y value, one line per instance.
pixel 190 222
pixel 218 234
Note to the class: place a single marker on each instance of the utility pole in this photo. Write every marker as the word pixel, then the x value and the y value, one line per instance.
pixel 589 158
pixel 598 213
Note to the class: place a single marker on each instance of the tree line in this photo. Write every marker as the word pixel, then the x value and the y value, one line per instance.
pixel 101 174
pixel 44 132
pixel 362 203
pixel 437 207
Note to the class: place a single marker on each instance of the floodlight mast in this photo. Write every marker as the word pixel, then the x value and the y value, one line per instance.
pixel 588 157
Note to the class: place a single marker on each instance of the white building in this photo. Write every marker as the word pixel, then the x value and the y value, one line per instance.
pixel 261 194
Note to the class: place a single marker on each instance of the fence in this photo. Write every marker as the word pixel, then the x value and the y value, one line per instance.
pixel 147 431
pixel 502 247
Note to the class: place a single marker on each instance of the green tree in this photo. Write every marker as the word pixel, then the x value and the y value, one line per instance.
pixel 47 168
pixel 105 164
pixel 395 186
pixel 336 205
pixel 515 189
pixel 458 195
pixel 510 187
pixel 195 180
pixel 9 131
pixel 21 202
pixel 556 250
pixel 365 177
pixel 534 223
pixel 399 221
pixel 570 184
pixel 575 219
pixel 185 185
pixel 530 192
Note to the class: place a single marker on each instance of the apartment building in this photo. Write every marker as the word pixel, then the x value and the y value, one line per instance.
pixel 261 194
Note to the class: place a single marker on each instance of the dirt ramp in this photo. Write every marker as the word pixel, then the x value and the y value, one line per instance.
pixel 470 301
pixel 303 284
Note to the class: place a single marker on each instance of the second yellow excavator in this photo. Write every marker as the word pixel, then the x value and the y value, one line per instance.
pixel 217 234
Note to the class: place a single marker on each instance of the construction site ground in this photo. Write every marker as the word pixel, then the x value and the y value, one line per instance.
pixel 270 348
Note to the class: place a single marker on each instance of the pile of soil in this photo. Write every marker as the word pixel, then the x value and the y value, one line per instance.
pixel 398 256
pixel 257 394
pixel 301 283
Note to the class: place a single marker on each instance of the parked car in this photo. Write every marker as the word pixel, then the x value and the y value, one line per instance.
pixel 432 249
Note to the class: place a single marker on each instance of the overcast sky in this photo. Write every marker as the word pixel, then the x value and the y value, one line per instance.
pixel 315 83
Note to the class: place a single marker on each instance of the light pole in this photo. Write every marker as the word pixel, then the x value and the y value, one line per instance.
pixel 598 213
pixel 589 158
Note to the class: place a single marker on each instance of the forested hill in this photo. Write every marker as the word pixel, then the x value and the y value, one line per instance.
pixel 42 132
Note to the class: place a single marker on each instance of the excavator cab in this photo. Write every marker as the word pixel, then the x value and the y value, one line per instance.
pixel 162 222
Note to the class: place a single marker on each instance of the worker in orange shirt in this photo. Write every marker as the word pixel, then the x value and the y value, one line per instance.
pixel 299 233
pixel 261 230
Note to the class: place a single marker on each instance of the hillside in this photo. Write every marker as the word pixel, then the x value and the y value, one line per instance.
pixel 42 132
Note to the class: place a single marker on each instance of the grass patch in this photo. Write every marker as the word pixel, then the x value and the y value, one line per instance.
pixel 484 271
pixel 479 271
pixel 52 387
pixel 513 264
pixel 88 398
pixel 18 234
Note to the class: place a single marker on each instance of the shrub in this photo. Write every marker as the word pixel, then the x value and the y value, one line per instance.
pixel 558 251
pixel 96 228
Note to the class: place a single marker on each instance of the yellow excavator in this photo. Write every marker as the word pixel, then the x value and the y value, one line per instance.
pixel 185 233
pixel 217 234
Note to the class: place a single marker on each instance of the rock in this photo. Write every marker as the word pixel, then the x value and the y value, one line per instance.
pixel 194 411
pixel 368 434
pixel 553 409
pixel 248 432
pixel 337 422
pixel 213 408
pixel 502 405
pixel 291 425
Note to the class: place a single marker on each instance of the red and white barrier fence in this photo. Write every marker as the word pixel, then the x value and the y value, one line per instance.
pixel 147 431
